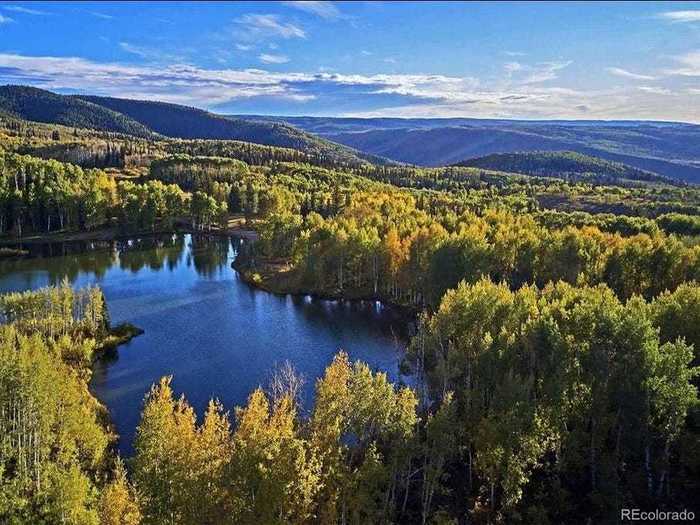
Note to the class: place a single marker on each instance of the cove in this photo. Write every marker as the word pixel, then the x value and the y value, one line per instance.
pixel 216 335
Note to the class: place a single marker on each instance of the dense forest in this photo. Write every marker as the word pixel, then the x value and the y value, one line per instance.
pixel 554 357
pixel 43 106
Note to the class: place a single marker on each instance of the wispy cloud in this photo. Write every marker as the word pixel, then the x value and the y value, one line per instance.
pixel 149 53
pixel 512 67
pixel 103 16
pixel 514 53
pixel 5 19
pixel 244 47
pixel 689 65
pixel 655 90
pixel 256 26
pixel 24 10
pixel 381 94
pixel 326 10
pixel 521 73
pixel 266 58
pixel 681 16
pixel 543 71
pixel 134 50
pixel 618 71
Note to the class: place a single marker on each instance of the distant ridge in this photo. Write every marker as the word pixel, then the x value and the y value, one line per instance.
pixel 671 149
pixel 563 164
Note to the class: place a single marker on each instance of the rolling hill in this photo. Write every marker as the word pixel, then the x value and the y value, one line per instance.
pixel 563 164
pixel 145 118
pixel 668 148
pixel 30 103
pixel 173 120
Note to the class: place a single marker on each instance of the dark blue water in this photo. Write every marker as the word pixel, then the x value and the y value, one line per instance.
pixel 217 336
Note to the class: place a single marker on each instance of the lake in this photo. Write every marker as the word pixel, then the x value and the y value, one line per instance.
pixel 216 335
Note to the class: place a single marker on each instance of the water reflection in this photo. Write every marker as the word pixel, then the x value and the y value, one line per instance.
pixel 50 263
pixel 215 334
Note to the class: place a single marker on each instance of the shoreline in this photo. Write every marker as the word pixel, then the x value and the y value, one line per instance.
pixel 112 233
pixel 117 336
pixel 267 284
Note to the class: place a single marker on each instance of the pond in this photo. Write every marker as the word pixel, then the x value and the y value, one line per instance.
pixel 216 335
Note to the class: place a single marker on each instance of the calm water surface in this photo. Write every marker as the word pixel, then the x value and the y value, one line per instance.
pixel 215 335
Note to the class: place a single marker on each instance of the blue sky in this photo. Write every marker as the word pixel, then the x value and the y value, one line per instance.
pixel 622 60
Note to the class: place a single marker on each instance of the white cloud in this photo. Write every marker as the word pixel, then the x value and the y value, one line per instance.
pixel 654 90
pixel 520 73
pixel 24 10
pixel 543 71
pixel 514 53
pixel 273 59
pixel 618 71
pixel 149 53
pixel 681 16
pixel 512 67
pixel 207 87
pixel 5 19
pixel 134 50
pixel 689 65
pixel 101 15
pixel 326 10
pixel 257 26
pixel 416 95
pixel 243 47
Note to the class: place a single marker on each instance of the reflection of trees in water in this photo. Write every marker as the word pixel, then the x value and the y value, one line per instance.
pixel 153 252
pixel 60 261
pixel 361 315
pixel 206 252
pixel 70 266
pixel 209 254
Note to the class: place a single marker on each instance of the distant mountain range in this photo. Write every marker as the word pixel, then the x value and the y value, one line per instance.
pixel 668 148
pixel 144 119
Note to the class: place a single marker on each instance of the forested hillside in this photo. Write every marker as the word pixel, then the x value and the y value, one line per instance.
pixel 43 106
pixel 145 118
pixel 185 122
pixel 564 165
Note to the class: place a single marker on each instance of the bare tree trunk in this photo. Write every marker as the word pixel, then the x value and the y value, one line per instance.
pixel 593 455
pixel 647 468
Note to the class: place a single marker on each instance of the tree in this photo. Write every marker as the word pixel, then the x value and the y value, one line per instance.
pixel 118 502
